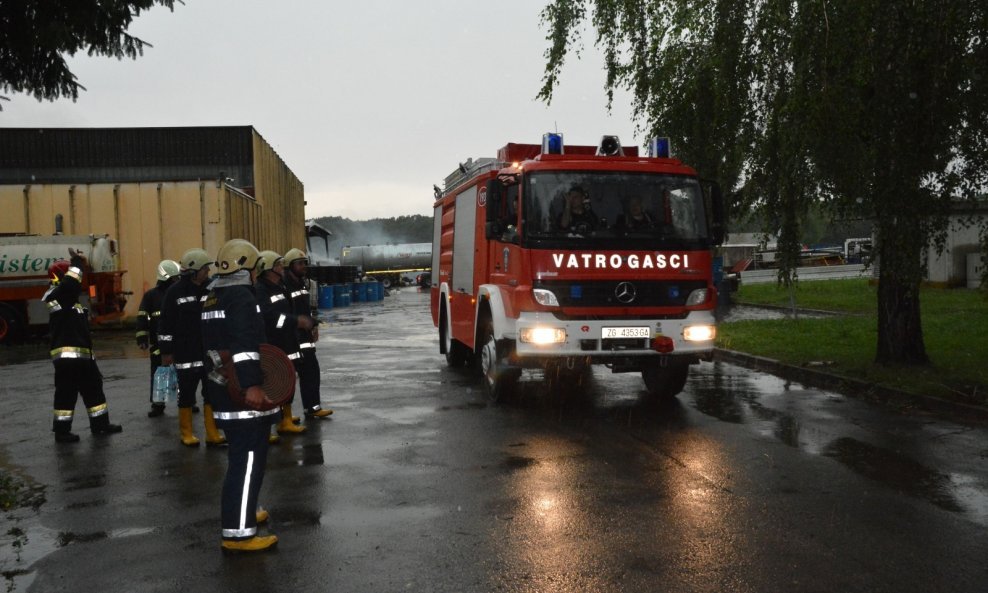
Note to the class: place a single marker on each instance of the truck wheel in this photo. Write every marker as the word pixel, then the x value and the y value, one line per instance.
pixel 665 382
pixel 499 379
pixel 11 324
pixel 456 352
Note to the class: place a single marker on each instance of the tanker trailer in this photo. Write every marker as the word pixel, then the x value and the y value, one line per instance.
pixel 389 263
pixel 24 262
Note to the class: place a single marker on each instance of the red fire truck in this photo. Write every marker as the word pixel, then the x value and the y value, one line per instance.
pixel 560 257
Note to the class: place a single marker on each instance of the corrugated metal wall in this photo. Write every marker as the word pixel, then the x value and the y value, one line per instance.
pixel 155 219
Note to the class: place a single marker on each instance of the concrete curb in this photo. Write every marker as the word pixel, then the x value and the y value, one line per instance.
pixel 893 398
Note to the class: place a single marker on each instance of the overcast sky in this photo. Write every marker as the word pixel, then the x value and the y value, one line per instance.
pixel 369 103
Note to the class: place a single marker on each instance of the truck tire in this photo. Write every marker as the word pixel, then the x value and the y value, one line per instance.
pixel 11 325
pixel 456 353
pixel 666 382
pixel 499 378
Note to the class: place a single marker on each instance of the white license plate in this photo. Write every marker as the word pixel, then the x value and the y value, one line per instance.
pixel 625 332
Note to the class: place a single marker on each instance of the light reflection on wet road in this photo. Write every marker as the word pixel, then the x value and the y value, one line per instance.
pixel 746 483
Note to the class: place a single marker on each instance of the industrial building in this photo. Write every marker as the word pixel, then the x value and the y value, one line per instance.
pixel 157 191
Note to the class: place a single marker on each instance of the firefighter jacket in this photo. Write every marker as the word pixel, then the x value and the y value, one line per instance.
pixel 301 305
pixel 280 322
pixel 180 332
pixel 149 315
pixel 68 320
pixel 232 323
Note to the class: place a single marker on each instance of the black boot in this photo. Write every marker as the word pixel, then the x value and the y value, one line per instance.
pixel 66 437
pixel 156 410
pixel 101 425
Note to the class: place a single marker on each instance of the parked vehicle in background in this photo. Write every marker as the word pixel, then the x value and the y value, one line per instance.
pixel 24 262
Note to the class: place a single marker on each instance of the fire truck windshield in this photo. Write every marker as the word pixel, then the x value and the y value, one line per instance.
pixel 620 209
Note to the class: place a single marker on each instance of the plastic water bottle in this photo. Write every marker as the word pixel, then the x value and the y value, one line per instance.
pixel 172 396
pixel 161 387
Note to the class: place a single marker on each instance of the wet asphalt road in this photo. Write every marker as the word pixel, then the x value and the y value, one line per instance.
pixel 417 484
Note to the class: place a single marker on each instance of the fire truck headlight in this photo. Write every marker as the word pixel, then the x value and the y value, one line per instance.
pixel 545 297
pixel 697 297
pixel 699 333
pixel 542 335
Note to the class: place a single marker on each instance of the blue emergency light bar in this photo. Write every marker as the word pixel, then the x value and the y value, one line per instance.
pixel 552 143
pixel 658 147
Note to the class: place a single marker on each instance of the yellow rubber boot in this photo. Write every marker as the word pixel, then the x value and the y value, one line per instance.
pixel 185 427
pixel 262 515
pixel 254 544
pixel 286 426
pixel 320 413
pixel 213 436
pixel 273 438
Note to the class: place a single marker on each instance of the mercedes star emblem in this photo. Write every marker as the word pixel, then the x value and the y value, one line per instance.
pixel 625 292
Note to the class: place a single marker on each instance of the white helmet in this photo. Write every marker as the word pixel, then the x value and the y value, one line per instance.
pixel 167 269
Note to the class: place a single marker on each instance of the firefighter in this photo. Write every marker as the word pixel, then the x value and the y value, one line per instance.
pixel 280 322
pixel 181 343
pixel 577 217
pixel 296 268
pixel 232 322
pixel 76 372
pixel 147 323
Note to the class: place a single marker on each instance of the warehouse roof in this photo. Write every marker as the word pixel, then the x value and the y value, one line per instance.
pixel 120 155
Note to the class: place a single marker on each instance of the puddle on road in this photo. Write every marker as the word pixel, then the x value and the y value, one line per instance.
pixel 739 396
pixel 894 470
pixel 35 542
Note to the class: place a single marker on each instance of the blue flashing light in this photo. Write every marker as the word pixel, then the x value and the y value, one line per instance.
pixel 576 292
pixel 658 147
pixel 552 143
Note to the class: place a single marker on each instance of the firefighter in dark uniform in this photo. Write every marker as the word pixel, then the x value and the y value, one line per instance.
pixel 148 316
pixel 280 322
pixel 181 343
pixel 76 372
pixel 232 322
pixel 296 267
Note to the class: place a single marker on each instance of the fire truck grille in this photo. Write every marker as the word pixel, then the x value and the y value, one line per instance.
pixel 627 293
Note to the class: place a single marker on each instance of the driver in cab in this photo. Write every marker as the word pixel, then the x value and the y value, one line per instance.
pixel 577 216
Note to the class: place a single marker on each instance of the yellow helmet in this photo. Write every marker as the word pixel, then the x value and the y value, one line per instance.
pixel 236 255
pixel 269 259
pixel 295 255
pixel 167 268
pixel 195 259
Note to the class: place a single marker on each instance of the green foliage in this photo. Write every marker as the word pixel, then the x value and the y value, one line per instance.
pixel 402 229
pixel 855 295
pixel 869 112
pixel 36 36
pixel 956 332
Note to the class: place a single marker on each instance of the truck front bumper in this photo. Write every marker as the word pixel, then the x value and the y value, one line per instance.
pixel 540 336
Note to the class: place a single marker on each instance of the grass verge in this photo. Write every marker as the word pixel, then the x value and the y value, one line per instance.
pixel 955 331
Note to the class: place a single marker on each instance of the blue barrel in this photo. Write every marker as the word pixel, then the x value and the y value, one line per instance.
pixel 325 297
pixel 344 300
pixel 339 291
pixel 374 292
pixel 362 292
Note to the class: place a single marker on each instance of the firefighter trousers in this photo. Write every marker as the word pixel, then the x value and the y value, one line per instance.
pixel 155 363
pixel 308 380
pixel 189 380
pixel 246 459
pixel 75 377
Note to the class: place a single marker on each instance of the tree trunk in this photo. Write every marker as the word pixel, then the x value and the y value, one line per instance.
pixel 900 331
